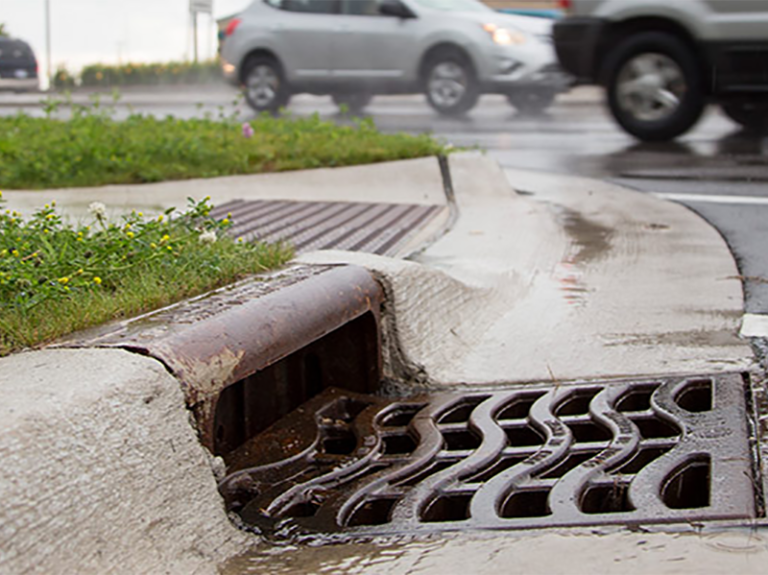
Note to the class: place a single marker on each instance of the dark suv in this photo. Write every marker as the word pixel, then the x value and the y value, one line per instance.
pixel 662 61
pixel 18 66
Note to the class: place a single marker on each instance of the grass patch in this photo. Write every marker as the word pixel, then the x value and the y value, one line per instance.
pixel 56 278
pixel 92 148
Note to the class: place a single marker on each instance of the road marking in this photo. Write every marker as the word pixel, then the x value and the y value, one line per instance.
pixel 754 325
pixel 703 198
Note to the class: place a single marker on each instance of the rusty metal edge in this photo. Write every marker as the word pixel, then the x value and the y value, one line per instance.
pixel 216 339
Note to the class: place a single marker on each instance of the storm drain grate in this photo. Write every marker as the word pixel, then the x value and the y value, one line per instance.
pixel 648 452
pixel 383 229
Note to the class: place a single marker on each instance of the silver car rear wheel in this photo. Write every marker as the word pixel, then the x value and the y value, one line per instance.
pixel 450 85
pixel 263 85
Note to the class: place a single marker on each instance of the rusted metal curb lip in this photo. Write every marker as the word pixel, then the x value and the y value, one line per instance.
pixel 220 338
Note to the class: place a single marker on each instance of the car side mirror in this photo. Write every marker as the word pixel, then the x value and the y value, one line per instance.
pixel 395 8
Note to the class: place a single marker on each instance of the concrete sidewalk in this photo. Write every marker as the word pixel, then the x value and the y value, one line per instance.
pixel 541 278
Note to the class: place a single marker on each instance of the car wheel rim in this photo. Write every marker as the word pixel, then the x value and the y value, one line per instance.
pixel 650 87
pixel 447 84
pixel 262 85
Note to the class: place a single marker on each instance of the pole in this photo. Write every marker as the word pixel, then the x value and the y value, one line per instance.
pixel 48 42
pixel 194 32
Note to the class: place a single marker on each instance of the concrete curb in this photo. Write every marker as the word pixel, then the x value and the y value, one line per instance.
pixel 102 471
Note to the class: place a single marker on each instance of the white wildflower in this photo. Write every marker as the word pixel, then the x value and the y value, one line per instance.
pixel 98 210
pixel 207 237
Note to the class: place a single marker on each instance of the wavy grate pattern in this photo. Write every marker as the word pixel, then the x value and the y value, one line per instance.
pixel 657 451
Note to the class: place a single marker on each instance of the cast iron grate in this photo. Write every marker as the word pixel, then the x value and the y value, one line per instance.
pixel 671 450
pixel 383 229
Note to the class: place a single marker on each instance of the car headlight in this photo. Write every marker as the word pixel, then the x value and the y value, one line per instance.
pixel 503 36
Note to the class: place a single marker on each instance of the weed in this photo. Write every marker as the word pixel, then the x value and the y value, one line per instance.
pixel 56 278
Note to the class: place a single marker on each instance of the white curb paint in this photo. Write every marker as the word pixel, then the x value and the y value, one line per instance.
pixel 754 325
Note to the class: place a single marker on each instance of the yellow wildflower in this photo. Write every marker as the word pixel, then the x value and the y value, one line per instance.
pixel 64 280
pixel 130 235
pixel 97 280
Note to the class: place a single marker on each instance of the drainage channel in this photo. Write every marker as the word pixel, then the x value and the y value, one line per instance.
pixel 657 451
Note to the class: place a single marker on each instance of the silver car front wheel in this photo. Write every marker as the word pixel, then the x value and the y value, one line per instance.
pixel 450 85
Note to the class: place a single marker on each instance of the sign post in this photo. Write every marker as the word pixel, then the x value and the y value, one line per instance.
pixel 196 7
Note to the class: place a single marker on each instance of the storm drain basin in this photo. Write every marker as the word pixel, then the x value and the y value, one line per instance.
pixel 671 450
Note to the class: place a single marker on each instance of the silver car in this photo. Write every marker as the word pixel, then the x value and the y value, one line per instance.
pixel 451 50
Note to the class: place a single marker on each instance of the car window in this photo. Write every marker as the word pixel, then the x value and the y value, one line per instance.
pixel 307 6
pixel 361 7
pixel 15 51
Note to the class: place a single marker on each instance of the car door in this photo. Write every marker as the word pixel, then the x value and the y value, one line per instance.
pixel 304 32
pixel 370 47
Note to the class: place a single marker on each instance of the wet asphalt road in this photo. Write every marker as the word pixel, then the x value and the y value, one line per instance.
pixel 716 170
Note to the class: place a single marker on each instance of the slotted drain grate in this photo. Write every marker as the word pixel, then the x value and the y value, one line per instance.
pixel 656 451
pixel 383 229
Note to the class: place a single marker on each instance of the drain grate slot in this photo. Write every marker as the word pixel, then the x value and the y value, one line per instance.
pixel 622 453
pixel 689 485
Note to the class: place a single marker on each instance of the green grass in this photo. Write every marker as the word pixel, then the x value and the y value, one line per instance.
pixel 92 148
pixel 56 279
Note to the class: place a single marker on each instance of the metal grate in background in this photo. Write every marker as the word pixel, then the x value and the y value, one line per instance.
pixel 381 229
pixel 642 452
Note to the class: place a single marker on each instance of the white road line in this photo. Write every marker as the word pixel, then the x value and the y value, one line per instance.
pixel 754 325
pixel 744 200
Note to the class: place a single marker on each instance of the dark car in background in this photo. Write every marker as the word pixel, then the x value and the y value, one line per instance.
pixel 18 66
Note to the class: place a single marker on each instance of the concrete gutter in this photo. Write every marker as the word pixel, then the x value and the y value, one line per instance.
pixel 574 279
pixel 550 278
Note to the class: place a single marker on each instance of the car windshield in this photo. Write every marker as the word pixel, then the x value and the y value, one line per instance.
pixel 454 5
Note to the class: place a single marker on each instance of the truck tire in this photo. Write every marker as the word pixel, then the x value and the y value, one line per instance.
pixel 654 86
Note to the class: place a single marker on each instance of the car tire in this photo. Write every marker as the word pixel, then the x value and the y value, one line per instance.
pixel 752 116
pixel 355 102
pixel 450 83
pixel 531 101
pixel 264 85
pixel 654 86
